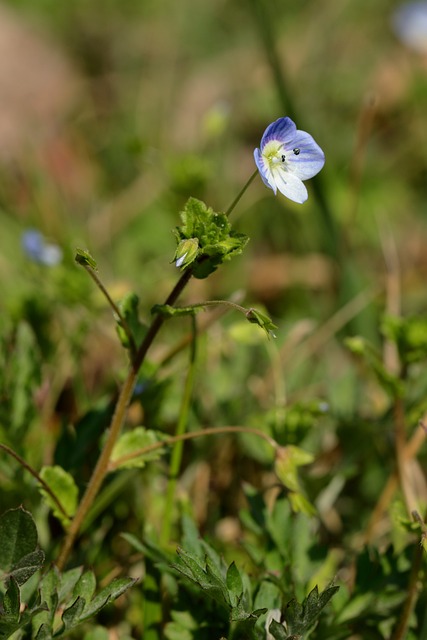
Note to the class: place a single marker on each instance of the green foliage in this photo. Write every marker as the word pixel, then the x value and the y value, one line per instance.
pixel 129 128
pixel 72 594
pixel 64 488
pixel 129 445
pixel 210 234
pixel 129 309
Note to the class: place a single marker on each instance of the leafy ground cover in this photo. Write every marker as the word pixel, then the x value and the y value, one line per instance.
pixel 213 399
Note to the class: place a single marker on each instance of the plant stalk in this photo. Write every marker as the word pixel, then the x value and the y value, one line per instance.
pixel 101 468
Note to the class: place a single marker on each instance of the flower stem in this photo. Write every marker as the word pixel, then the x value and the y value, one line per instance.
pixel 210 431
pixel 101 468
pixel 240 194
pixel 97 280
pixel 176 457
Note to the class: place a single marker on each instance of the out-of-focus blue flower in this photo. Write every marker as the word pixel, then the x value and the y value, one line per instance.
pixel 37 249
pixel 286 157
pixel 410 25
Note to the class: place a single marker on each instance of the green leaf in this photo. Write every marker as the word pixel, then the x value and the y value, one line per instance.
pixel 25 375
pixel 11 601
pixel 288 459
pixel 84 258
pixel 49 597
pixel 300 504
pixel 133 441
pixel 129 308
pixel 217 242
pixel 301 617
pixel 63 486
pixel 410 336
pixel 85 587
pixel 71 616
pixel 44 633
pixel 278 631
pixel 116 588
pixel 234 582
pixel 27 566
pixel 67 582
pixel 18 537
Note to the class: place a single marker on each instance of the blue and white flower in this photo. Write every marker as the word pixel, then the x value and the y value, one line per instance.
pixel 37 249
pixel 286 157
pixel 410 25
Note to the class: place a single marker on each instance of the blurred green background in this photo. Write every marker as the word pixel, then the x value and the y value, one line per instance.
pixel 113 113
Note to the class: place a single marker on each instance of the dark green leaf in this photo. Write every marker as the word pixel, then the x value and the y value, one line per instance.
pixel 115 589
pixel 27 566
pixel 11 601
pixel 277 630
pixel 234 581
pixel 71 616
pixel 18 537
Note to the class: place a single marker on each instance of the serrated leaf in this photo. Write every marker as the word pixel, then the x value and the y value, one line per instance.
pixel 207 578
pixel 11 601
pixel 18 537
pixel 65 489
pixel 84 258
pixel 116 588
pixel 217 241
pixel 300 618
pixel 132 442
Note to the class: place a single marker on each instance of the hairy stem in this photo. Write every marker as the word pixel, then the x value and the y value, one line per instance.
pixel 101 468
pixel 240 194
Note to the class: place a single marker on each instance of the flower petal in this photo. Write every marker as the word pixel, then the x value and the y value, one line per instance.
pixel 264 170
pixel 308 160
pixel 283 129
pixel 290 185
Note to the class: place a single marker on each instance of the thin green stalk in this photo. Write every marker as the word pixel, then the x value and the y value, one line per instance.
pixel 34 473
pixel 176 457
pixel 240 194
pixel 210 431
pixel 101 468
pixel 97 280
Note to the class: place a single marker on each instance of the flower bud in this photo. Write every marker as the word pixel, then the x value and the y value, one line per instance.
pixel 186 252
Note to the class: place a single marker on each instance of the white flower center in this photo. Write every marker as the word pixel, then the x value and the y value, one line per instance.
pixel 273 155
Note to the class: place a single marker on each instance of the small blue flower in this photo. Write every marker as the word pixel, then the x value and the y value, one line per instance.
pixel 40 251
pixel 286 157
pixel 410 25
